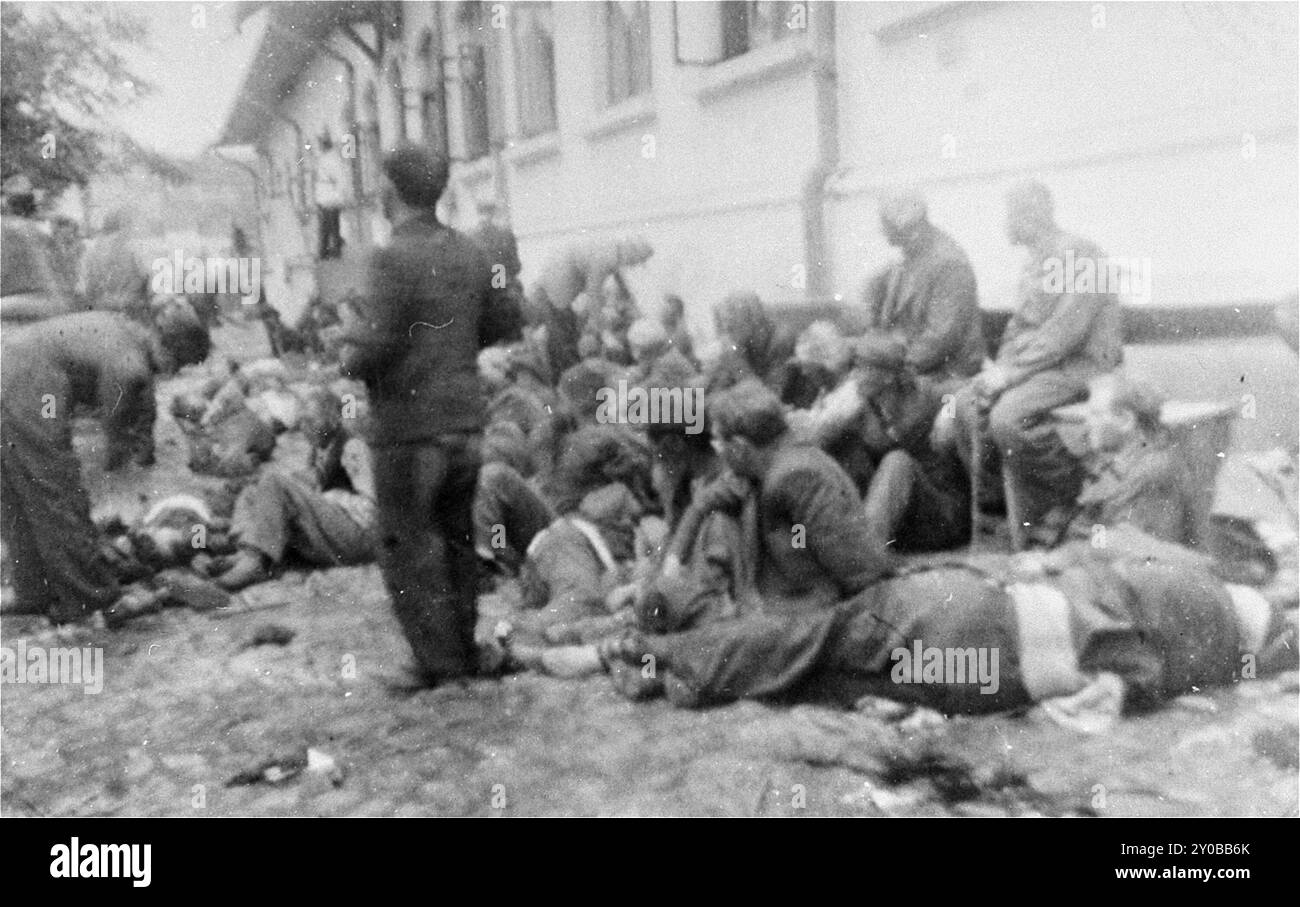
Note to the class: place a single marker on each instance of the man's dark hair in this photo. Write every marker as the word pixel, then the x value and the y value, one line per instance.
pixel 22 204
pixel 749 410
pixel 419 174
pixel 182 333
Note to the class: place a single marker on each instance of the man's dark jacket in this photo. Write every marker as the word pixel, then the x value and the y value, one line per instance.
pixel 430 308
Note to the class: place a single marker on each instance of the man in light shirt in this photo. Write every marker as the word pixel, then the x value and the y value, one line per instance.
pixel 329 193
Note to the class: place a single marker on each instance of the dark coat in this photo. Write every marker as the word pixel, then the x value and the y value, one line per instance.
pixel 929 299
pixel 429 309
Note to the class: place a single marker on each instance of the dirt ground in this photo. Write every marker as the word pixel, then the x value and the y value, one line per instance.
pixel 187 704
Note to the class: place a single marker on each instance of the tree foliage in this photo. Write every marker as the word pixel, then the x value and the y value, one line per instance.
pixel 61 69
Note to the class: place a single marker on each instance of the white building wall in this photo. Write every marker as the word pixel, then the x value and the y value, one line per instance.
pixel 1120 108
pixel 708 167
pixel 1119 116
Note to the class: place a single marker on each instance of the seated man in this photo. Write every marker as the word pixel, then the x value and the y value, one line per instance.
pixel 1132 475
pixel 48 369
pixel 705 546
pixel 328 518
pixel 822 359
pixel 527 399
pixel 508 514
pixel 753 345
pixel 673 318
pixel 1063 333
pixel 1097 629
pixel 917 498
pixel 653 354
pixel 575 563
pixel 802 522
pixel 927 299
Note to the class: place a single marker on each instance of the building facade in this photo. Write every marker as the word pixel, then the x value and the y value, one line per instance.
pixel 749 141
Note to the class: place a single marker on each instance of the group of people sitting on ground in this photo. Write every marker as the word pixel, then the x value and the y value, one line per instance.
pixel 784 518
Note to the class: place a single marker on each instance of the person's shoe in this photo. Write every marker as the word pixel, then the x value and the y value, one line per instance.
pixel 248 568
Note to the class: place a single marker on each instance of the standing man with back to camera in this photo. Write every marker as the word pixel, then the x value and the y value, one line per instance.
pixel 429 309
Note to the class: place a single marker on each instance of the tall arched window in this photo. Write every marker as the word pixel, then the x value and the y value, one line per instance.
pixel 433 111
pixel 479 76
pixel 627 49
pixel 533 31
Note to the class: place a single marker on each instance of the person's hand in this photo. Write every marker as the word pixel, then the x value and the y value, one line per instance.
pixel 671 566
pixel 725 493
pixel 621 597
pixel 332 337
pixel 991 382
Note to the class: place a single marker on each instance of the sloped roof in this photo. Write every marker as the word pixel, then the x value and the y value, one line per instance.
pixel 294 33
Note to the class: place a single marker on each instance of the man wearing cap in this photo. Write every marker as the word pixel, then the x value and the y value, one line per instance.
pixel 430 307
pixel 928 297
pixel 1059 338
pixel 502 247
pixel 877 427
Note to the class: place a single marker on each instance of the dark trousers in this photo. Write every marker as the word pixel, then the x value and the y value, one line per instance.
pixel 911 510
pixel 280 513
pixel 1019 436
pixel 425 492
pixel 331 237
pixel 54 553
pixel 508 514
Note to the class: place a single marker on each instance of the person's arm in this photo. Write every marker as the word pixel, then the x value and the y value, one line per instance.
pixel 126 397
pixel 951 310
pixel 835 529
pixel 501 319
pixel 378 335
pixel 1064 332
pixel 357 462
pixel 574 577
pixel 873 296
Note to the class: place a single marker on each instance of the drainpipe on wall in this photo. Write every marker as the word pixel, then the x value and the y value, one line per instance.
pixel 817 263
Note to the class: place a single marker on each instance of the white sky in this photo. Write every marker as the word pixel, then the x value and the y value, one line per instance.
pixel 195 73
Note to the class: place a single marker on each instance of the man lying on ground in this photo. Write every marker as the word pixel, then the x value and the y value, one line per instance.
pixel 1090 631
pixel 327 519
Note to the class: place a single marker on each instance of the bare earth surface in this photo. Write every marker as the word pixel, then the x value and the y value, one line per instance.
pixel 187 704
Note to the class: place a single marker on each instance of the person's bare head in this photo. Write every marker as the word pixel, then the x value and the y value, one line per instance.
pixel 647 339
pixel 748 423
pixel 1030 214
pixel 903 216
pixel 634 250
